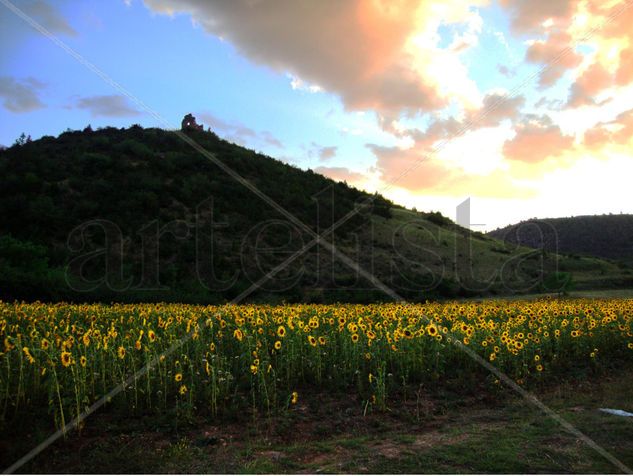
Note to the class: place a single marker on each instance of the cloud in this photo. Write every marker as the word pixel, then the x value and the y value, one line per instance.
pixel 107 106
pixel 590 83
pixel 531 14
pixel 416 173
pixel 375 55
pixel 496 108
pixel 48 17
pixel 507 72
pixel 238 132
pixel 616 132
pixel 341 174
pixel 551 52
pixel 592 39
pixel 470 37
pixel 20 95
pixel 323 153
pixel 298 84
pixel 409 168
pixel 537 140
pixel 326 153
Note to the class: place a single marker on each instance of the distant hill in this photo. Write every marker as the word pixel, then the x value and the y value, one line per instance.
pixel 137 214
pixel 605 236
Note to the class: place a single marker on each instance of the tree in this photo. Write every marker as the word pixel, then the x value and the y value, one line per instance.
pixel 559 282
pixel 20 140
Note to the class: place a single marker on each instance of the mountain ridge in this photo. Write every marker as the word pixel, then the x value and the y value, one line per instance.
pixel 608 236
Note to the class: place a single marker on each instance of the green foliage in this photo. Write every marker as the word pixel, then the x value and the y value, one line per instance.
pixel 604 236
pixel 559 282
pixel 438 219
pixel 24 271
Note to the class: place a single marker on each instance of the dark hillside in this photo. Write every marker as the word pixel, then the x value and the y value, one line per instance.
pixel 137 214
pixel 605 236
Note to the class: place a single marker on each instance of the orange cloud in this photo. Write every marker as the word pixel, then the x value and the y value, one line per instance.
pixel 341 174
pixel 417 173
pixel 496 108
pixel 411 169
pixel 536 141
pixel 603 26
pixel 530 14
pixel 549 52
pixel 590 83
pixel 376 54
pixel 616 132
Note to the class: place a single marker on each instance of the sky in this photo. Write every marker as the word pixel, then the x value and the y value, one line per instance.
pixel 523 106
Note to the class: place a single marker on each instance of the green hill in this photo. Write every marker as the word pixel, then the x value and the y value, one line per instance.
pixel 137 214
pixel 604 236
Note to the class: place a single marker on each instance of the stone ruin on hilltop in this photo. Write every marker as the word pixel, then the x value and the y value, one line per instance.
pixel 189 124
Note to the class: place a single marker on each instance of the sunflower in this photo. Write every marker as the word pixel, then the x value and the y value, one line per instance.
pixel 152 335
pixel 183 389
pixel 28 355
pixel 237 333
pixel 83 361
pixel 8 345
pixel 537 358
pixel 312 340
pixel 354 338
pixel 539 368
pixel 138 345
pixel 321 340
pixel 121 352
pixel 278 345
pixel 281 331
pixel 294 398
pixel 254 369
pixel 66 359
pixel 178 377
pixel 431 329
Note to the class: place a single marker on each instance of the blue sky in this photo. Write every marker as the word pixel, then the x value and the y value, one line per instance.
pixel 356 90
pixel 173 67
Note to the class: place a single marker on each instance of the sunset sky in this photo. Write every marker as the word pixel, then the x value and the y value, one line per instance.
pixel 526 106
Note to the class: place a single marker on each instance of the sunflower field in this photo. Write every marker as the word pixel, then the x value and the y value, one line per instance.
pixel 64 357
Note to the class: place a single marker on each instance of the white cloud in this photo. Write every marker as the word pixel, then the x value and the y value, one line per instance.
pixel 107 106
pixel 21 95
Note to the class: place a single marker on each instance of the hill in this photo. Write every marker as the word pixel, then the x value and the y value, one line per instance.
pixel 605 236
pixel 137 214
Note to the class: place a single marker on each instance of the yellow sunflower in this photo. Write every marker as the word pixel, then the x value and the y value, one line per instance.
pixel 66 359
